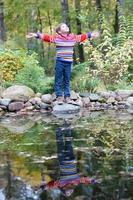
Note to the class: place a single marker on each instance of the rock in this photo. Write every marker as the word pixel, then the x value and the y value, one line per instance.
pixel 124 94
pixel 111 100
pixel 17 124
pixel 38 95
pixel 102 100
pixel 27 104
pixel 121 106
pixel 37 107
pixel 74 95
pixel 86 101
pixel 18 93
pixel 108 94
pixel 15 106
pixel 29 108
pixel 45 106
pixel 92 96
pixel 130 101
pixel 79 102
pixel 122 103
pixel 86 94
pixel 97 104
pixel 3 107
pixel 65 109
pixel 129 104
pixel 2 112
pixel 118 98
pixel 35 100
pixel 53 97
pixel 5 102
pixel 105 106
pixel 47 98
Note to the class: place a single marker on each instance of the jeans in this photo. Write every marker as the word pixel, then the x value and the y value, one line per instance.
pixel 62 78
pixel 64 145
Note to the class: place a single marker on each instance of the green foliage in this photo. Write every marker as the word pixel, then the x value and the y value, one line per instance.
pixel 9 65
pixel 26 70
pixel 36 79
pixel 82 80
pixel 122 35
pixel 129 21
pixel 111 60
pixel 33 75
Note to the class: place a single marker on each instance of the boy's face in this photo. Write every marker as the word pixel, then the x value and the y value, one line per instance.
pixel 64 28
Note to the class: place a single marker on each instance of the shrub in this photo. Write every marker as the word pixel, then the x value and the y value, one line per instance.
pixel 34 77
pixel 82 80
pixel 112 60
pixel 24 69
pixel 9 65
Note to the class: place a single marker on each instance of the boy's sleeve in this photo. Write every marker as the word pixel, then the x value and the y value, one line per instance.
pixel 82 37
pixel 47 38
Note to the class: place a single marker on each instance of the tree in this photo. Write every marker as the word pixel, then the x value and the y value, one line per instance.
pixel 117 15
pixel 34 25
pixel 2 25
pixel 99 9
pixel 65 12
pixel 78 22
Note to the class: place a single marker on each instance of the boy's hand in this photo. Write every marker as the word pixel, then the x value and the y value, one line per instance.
pixel 95 34
pixel 31 35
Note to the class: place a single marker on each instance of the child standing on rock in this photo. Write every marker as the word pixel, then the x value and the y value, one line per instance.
pixel 64 41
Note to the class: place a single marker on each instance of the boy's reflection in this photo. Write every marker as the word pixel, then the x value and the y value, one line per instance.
pixel 69 177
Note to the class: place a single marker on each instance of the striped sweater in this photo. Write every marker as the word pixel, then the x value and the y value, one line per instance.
pixel 64 44
pixel 68 171
pixel 68 176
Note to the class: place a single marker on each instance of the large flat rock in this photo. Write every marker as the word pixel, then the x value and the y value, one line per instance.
pixel 18 93
pixel 66 109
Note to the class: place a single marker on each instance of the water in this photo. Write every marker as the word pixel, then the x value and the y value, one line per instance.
pixel 97 147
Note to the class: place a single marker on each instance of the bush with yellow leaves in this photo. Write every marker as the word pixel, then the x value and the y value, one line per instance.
pixel 10 64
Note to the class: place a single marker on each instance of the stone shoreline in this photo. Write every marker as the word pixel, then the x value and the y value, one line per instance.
pixel 21 99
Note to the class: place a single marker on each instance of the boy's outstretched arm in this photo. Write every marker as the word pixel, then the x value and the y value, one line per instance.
pixel 43 37
pixel 89 35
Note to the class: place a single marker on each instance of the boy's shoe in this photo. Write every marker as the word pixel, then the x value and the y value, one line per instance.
pixel 59 100
pixel 68 100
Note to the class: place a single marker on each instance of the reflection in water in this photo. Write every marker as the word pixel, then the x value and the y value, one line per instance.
pixel 14 188
pixel 103 148
pixel 69 178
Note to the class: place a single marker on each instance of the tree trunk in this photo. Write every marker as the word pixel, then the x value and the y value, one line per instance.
pixel 40 45
pixel 98 5
pixel 116 25
pixel 9 181
pixel 49 45
pixel 65 12
pixel 66 19
pixel 99 9
pixel 34 25
pixel 80 46
pixel 117 14
pixel 88 13
pixel 2 25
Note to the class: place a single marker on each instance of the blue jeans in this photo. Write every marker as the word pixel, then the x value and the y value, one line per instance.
pixel 62 78
pixel 64 148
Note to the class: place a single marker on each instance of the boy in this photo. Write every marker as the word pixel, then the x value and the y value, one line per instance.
pixel 65 42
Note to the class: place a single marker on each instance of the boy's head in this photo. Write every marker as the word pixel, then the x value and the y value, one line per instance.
pixel 62 29
pixel 68 190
